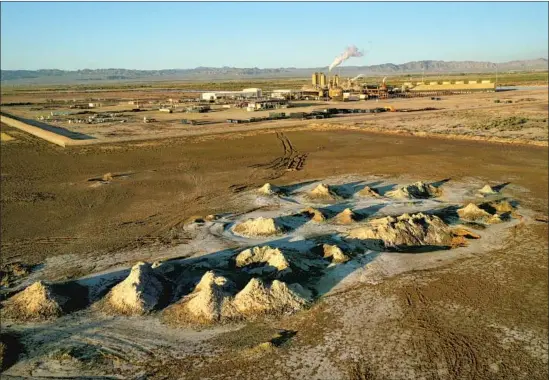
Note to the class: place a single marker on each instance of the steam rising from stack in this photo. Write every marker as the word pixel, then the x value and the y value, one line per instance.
pixel 351 51
pixel 358 76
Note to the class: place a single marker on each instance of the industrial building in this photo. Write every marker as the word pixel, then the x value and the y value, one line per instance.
pixel 267 104
pixel 247 93
pixel 457 87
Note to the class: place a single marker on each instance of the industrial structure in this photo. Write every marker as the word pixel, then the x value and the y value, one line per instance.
pixel 247 93
pixel 336 88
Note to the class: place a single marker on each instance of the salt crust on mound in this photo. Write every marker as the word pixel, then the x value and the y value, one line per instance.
pixel 37 302
pixel 346 216
pixel 405 230
pixel 473 213
pixel 257 227
pixel 368 192
pixel 211 300
pixel 416 190
pixel 322 191
pixel 139 293
pixel 273 259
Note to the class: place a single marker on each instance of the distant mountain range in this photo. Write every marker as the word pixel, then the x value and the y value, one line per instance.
pixel 226 73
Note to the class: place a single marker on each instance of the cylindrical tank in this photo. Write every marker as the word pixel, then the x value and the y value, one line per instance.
pixel 314 79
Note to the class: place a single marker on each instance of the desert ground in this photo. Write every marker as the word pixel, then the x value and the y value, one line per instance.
pixel 460 298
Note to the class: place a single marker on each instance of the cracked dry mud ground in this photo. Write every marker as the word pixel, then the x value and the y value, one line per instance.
pixel 479 318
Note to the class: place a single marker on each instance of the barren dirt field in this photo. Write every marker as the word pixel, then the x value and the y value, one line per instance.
pixel 338 270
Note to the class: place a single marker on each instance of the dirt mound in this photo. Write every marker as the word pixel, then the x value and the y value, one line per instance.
pixel 258 227
pixel 211 218
pixel 314 214
pixel 139 293
pixel 368 192
pixel 404 231
pixel 465 233
pixel 205 304
pixel 107 177
pixel 473 213
pixel 257 297
pixel 268 189
pixel 499 207
pixel 39 301
pixel 418 190
pixel 346 216
pixel 334 253
pixel 487 190
pixel 263 260
pixel 211 300
pixel 460 237
pixel 323 191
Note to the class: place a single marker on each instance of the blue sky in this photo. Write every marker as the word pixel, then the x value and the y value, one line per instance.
pixel 74 36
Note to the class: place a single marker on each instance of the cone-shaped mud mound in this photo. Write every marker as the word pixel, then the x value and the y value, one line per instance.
pixel 139 293
pixel 418 190
pixel 314 214
pixel 323 191
pixel 211 301
pixel 346 216
pixel 257 297
pixel 404 232
pixel 258 227
pixel 39 301
pixel 205 304
pixel 268 189
pixel 487 190
pixel 263 260
pixel 473 213
pixel 368 192
pixel 334 253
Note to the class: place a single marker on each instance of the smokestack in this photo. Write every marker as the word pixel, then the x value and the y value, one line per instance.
pixel 349 52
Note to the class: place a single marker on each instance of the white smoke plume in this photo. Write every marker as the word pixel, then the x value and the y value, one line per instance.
pixel 358 76
pixel 351 51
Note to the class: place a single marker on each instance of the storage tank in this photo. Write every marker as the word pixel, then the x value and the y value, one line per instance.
pixel 322 80
pixel 314 79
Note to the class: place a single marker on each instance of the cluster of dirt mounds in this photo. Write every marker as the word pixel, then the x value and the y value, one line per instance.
pixel 214 300
pixel 418 190
pixel 141 292
pixel 475 214
pixel 404 231
pixel 280 275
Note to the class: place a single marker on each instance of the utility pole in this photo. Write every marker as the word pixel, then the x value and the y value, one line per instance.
pixel 496 86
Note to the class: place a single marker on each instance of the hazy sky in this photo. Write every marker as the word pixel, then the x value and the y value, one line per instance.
pixel 184 35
